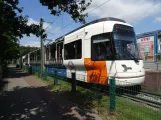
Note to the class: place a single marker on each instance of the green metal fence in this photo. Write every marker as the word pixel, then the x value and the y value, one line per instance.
pixel 135 104
pixel 110 102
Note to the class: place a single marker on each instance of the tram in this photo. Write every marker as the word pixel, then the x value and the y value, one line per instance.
pixel 97 51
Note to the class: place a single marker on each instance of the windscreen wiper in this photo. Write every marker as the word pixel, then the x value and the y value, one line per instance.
pixel 136 60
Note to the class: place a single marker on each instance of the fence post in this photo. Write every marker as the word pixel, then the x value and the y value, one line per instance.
pixel 33 70
pixel 30 69
pixel 55 78
pixel 45 74
pixel 112 95
pixel 38 70
pixel 73 82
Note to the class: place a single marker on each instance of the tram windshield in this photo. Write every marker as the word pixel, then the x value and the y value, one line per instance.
pixel 118 45
pixel 125 46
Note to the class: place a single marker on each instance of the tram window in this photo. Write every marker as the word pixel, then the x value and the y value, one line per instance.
pixel 101 48
pixel 52 50
pixel 73 50
pixel 59 49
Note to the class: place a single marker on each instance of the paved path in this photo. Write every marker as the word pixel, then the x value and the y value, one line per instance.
pixel 25 98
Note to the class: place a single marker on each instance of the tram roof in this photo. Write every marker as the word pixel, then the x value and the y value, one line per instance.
pixel 92 22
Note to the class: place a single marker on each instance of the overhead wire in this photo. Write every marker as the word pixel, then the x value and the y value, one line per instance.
pixel 53 22
pixel 73 21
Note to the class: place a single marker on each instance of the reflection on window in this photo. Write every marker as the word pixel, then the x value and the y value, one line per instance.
pixel 125 46
pixel 101 47
pixel 73 50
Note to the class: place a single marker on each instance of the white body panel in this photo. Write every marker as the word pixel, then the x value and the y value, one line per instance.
pixel 114 68
pixel 130 77
pixel 78 63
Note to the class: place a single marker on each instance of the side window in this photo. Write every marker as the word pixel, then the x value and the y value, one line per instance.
pixel 59 50
pixel 73 50
pixel 52 50
pixel 100 47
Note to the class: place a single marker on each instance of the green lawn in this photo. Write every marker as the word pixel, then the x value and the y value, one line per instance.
pixel 92 100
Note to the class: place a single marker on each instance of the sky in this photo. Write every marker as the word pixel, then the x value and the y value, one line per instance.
pixel 144 15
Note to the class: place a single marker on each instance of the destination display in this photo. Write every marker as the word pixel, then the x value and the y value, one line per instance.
pixel 118 27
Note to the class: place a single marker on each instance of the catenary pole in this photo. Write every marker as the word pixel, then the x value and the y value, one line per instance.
pixel 42 46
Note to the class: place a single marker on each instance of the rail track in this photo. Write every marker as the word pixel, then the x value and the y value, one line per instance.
pixel 153 100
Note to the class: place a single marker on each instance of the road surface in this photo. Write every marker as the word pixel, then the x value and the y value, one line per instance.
pixel 25 98
pixel 152 66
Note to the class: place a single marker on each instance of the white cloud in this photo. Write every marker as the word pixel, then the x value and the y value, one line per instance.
pixel 130 10
pixel 158 19
pixel 30 41
pixel 32 44
pixel 33 40
pixel 54 30
pixel 32 21
pixel 57 30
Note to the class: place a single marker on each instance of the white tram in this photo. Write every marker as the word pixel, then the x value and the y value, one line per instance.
pixel 97 51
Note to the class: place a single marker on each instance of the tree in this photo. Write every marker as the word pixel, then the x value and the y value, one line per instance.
pixel 26 49
pixel 75 8
pixel 13 25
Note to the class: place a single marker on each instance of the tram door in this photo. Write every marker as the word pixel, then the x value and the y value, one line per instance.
pixel 60 53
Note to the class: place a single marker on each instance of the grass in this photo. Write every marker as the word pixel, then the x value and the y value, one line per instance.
pixel 128 109
pixel 91 100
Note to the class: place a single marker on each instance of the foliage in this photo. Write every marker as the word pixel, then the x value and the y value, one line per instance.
pixel 26 49
pixel 75 8
pixel 13 25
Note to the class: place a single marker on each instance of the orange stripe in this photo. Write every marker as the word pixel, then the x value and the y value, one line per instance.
pixel 96 71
